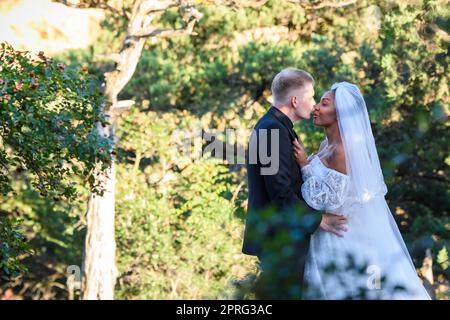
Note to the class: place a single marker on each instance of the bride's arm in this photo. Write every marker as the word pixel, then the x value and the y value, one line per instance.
pixel 327 193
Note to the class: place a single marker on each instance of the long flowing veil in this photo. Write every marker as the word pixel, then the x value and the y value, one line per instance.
pixel 362 162
pixel 363 165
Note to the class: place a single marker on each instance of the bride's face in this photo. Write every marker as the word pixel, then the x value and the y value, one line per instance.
pixel 325 111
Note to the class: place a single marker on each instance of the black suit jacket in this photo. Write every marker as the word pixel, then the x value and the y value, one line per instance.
pixel 281 190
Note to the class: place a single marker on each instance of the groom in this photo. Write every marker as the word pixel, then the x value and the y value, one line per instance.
pixel 279 222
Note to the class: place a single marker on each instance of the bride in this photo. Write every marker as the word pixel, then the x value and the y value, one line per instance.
pixel 370 260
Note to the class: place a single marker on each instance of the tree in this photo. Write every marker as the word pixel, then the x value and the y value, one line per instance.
pixel 222 79
pixel 99 269
pixel 47 116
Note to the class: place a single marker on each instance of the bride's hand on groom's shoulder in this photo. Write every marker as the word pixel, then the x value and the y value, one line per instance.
pixel 334 223
pixel 299 153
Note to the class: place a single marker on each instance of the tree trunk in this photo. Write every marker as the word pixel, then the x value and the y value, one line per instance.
pixel 99 268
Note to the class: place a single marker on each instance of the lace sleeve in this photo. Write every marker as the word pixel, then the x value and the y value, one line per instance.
pixel 326 193
pixel 306 172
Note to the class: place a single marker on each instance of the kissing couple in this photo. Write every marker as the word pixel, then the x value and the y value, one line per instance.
pixel 320 225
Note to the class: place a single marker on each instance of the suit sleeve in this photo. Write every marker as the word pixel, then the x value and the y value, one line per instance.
pixel 277 184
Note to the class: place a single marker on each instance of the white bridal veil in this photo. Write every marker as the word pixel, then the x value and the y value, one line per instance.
pixel 362 162
pixel 372 236
pixel 363 165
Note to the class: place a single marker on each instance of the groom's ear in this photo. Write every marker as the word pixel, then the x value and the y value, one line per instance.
pixel 294 101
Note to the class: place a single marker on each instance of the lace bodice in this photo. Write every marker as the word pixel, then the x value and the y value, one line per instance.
pixel 323 188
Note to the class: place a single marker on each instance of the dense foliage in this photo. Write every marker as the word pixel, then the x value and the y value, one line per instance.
pixel 180 219
pixel 47 139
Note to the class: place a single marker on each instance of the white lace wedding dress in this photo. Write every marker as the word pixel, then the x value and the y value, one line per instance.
pixel 354 266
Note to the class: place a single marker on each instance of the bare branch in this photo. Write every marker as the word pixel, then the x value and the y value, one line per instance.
pixel 99 4
pixel 191 14
pixel 164 33
pixel 122 106
pixel 238 3
pixel 111 56
pixel 78 4
pixel 440 32
pixel 157 6
pixel 327 4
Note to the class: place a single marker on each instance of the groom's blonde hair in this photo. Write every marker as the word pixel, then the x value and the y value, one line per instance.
pixel 286 81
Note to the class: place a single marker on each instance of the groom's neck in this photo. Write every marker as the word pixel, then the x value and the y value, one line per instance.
pixel 287 111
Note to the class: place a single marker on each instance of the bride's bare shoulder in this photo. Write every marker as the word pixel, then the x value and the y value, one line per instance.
pixel 337 160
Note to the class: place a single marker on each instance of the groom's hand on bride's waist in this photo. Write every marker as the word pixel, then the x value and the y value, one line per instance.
pixel 334 224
